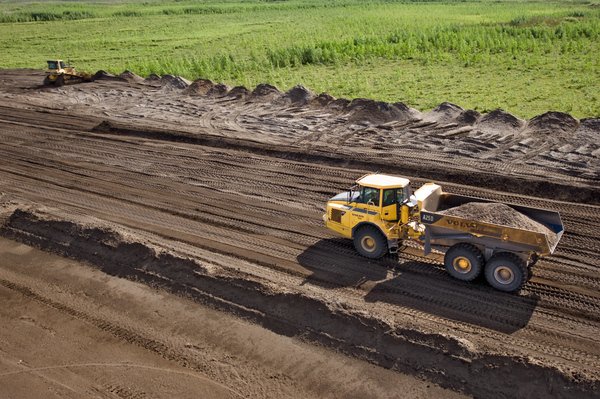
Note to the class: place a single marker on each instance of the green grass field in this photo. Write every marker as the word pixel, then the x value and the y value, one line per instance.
pixel 527 57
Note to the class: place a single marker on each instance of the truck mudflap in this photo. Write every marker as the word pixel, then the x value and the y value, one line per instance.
pixel 393 246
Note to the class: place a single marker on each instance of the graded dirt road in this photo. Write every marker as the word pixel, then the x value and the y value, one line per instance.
pixel 212 198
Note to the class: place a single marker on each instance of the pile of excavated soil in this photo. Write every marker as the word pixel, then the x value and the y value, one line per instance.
pixel 265 90
pixel 200 87
pixel 299 95
pixel 553 123
pixel 467 117
pixel 238 92
pixel 364 109
pixel 218 90
pixel 131 77
pixel 501 119
pixel 444 113
pixel 175 82
pixel 323 99
pixel 152 78
pixel 501 214
pixel 101 74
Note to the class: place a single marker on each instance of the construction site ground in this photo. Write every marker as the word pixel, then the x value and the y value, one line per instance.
pixel 166 240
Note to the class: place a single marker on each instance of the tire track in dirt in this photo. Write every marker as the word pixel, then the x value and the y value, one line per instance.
pixel 167 223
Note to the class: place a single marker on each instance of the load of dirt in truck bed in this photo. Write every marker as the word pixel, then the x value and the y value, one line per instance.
pixel 501 214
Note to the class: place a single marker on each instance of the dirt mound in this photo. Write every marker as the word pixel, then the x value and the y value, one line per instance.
pixel 238 92
pixel 299 95
pixel 377 111
pixel 444 113
pixel 153 78
pixel 101 74
pixel 591 124
pixel 499 120
pixel 218 90
pixel 264 90
pixel 131 77
pixel 339 104
pixel 468 117
pixel 174 82
pixel 200 87
pixel 553 122
pixel 323 99
pixel 590 129
pixel 501 214
pixel 410 113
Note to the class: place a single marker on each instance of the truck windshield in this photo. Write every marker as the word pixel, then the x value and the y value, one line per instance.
pixel 369 195
pixel 52 65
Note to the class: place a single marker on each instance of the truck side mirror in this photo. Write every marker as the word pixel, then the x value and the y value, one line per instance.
pixel 412 201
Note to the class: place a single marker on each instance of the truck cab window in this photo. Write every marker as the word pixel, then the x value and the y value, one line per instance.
pixel 394 196
pixel 369 194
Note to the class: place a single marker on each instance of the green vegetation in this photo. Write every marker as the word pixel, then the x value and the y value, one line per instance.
pixel 527 57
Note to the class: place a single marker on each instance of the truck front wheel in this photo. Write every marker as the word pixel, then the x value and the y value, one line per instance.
pixel 506 272
pixel 370 243
pixel 463 262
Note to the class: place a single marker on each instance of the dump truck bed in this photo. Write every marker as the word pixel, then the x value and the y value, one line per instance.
pixel 538 231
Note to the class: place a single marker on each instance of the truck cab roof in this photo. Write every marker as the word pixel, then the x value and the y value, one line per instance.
pixel 377 180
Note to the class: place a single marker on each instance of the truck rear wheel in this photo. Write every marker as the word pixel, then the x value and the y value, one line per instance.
pixel 463 262
pixel 507 272
pixel 370 243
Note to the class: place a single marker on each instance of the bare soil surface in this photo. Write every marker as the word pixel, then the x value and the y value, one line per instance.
pixel 69 331
pixel 217 197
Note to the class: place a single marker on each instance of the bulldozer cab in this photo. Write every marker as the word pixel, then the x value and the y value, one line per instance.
pixel 55 65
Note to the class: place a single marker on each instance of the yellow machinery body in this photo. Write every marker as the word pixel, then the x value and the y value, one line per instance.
pixel 59 73
pixel 380 213
pixel 377 200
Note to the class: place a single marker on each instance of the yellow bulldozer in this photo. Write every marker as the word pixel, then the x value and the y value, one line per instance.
pixel 382 215
pixel 60 73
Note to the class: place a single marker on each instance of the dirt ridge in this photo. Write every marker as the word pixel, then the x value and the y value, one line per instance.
pixel 368 110
pixel 294 314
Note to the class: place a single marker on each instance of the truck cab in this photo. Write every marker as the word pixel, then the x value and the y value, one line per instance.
pixel 370 213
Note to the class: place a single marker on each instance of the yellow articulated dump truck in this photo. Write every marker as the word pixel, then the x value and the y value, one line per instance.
pixel 503 241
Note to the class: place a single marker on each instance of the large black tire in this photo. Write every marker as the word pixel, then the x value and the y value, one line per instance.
pixel 60 80
pixel 507 272
pixel 464 262
pixel 47 81
pixel 370 243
